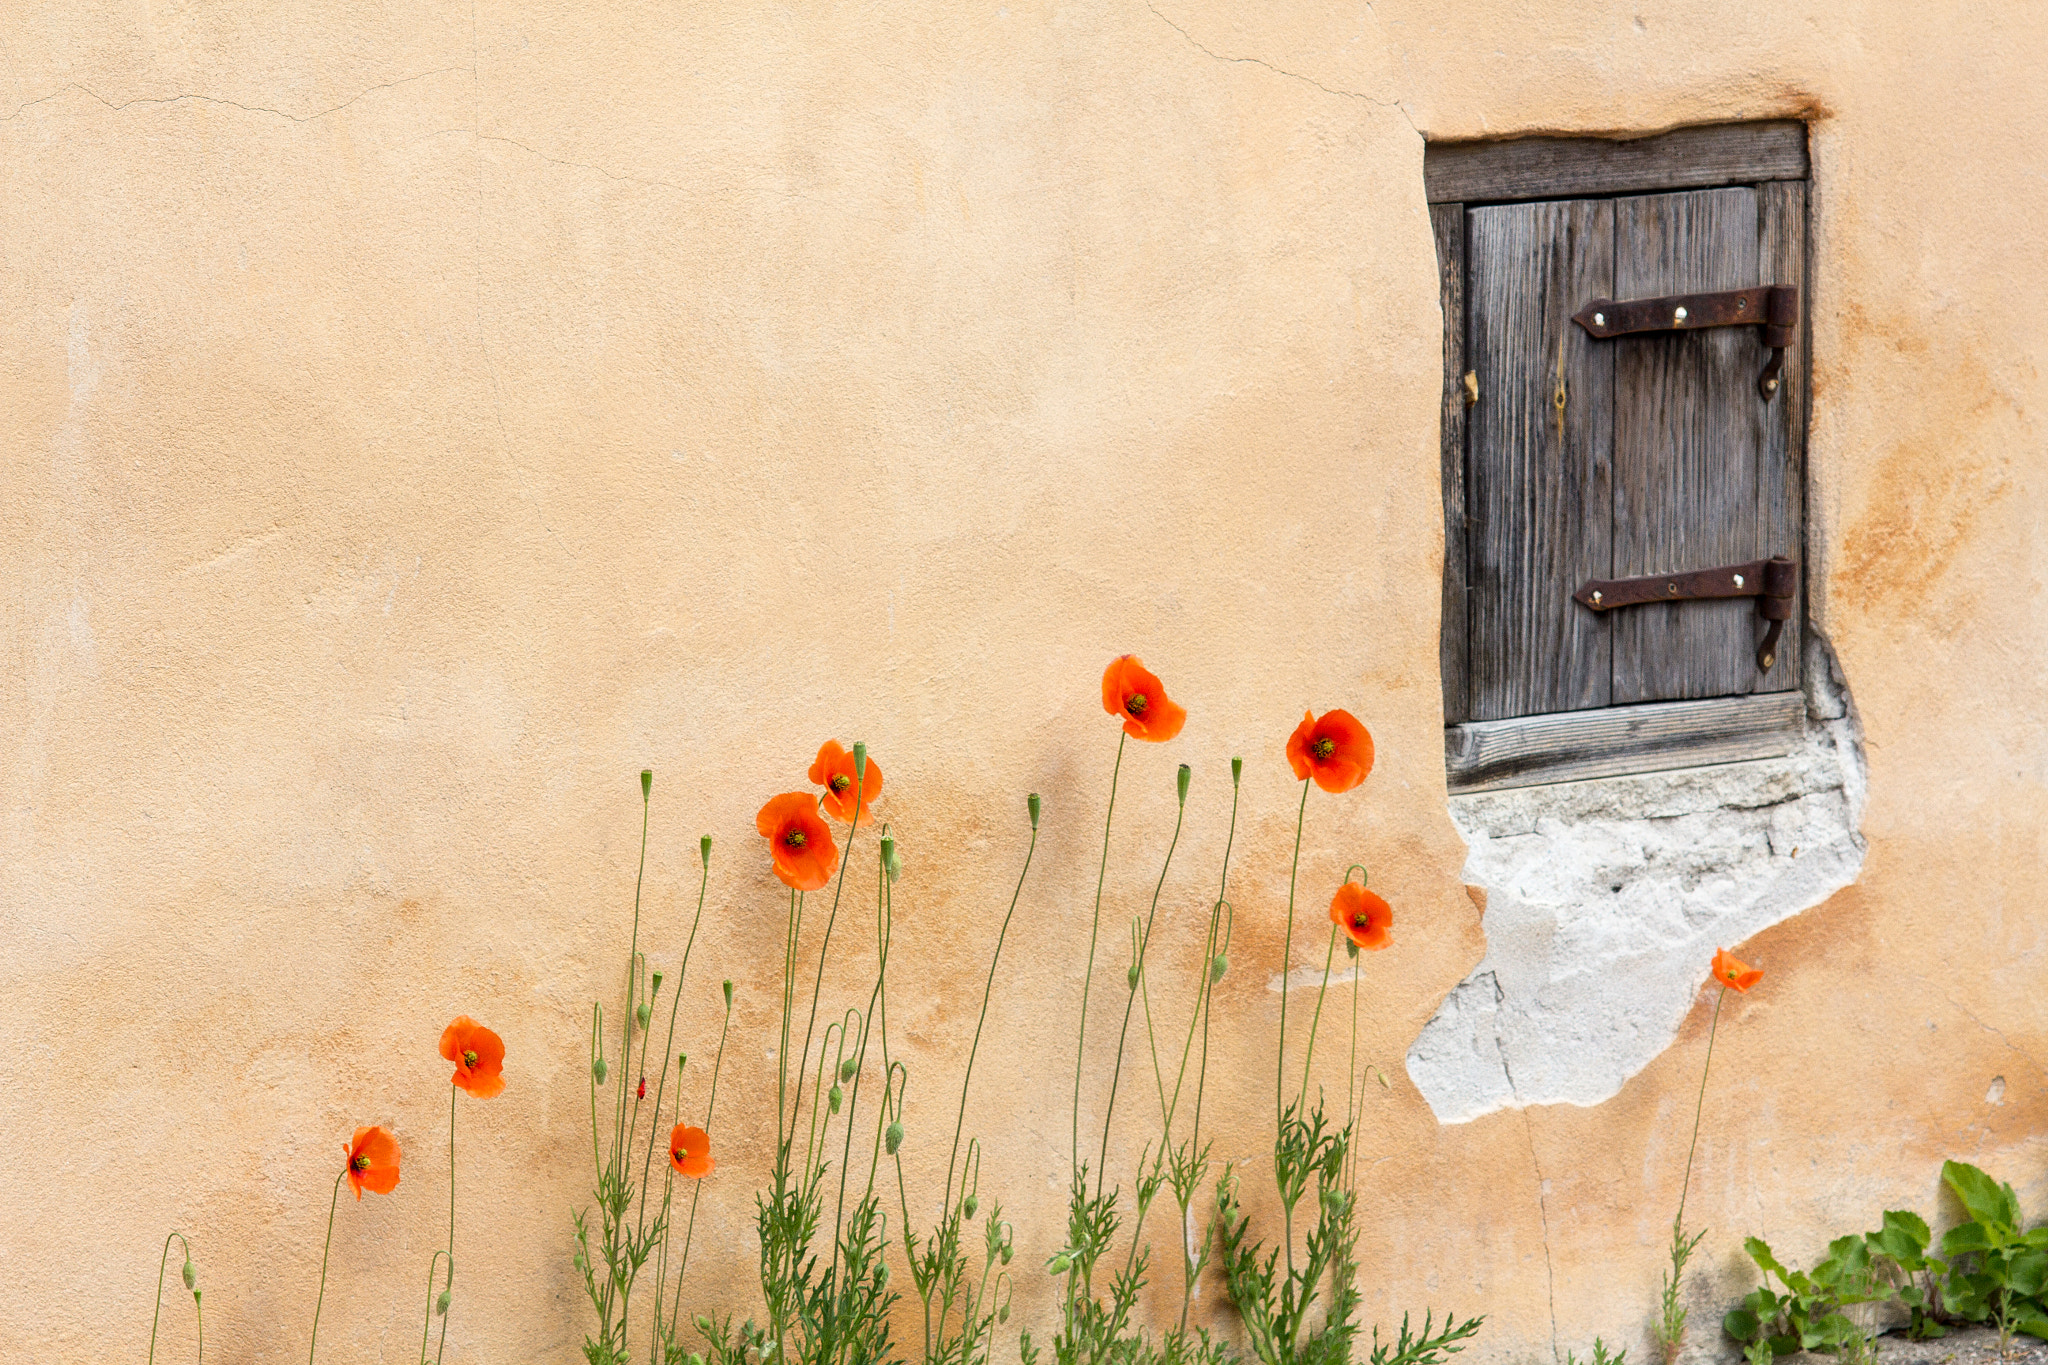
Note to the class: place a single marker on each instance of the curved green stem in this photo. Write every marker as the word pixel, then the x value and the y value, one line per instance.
pixel 1088 978
pixel 690 1230
pixel 987 989
pixel 1287 961
pixel 452 1092
pixel 162 1263
pixel 427 1319
pixel 332 1204
pixel 1699 1105
pixel 1131 999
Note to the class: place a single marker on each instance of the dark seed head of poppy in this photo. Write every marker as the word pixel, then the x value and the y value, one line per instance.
pixel 361 1163
pixel 840 782
pixel 795 838
pixel 1136 705
pixel 1323 747
pixel 468 1057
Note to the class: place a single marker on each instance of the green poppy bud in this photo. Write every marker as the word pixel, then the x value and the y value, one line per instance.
pixel 1060 1264
pixel 860 763
pixel 703 1324
pixel 1003 1313
pixel 657 985
pixel 646 782
pixel 640 1015
pixel 1217 966
pixel 891 864
pixel 579 1262
pixel 191 1275
pixel 833 1097
pixel 1236 770
pixel 1031 804
pixel 704 850
pixel 1132 976
pixel 599 1070
pixel 882 1280
pixel 848 1067
pixel 694 1359
pixel 1181 782
pixel 441 1305
pixel 682 1060
pixel 1005 1252
pixel 728 995
pixel 893 1137
pixel 195 1299
pixel 1350 948
pixel 968 1206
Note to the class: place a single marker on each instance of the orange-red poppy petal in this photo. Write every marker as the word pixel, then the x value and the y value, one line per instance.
pixel 1335 749
pixel 1132 691
pixel 799 840
pixel 1363 915
pixel 1735 973
pixel 834 772
pixel 484 1078
pixel 689 1151
pixel 372 1161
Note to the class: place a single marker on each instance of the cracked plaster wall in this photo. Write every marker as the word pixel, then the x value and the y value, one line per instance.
pixel 1604 898
pixel 415 419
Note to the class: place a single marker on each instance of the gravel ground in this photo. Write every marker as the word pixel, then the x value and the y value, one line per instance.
pixel 1962 1346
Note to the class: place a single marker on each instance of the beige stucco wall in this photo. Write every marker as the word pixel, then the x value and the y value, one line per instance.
pixel 418 419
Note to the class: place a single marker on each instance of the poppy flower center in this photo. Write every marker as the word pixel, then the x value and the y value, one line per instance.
pixel 468 1058
pixel 840 782
pixel 795 839
pixel 361 1163
pixel 1137 703
pixel 1323 747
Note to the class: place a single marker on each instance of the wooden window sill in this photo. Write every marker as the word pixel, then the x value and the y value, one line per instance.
pixel 1615 741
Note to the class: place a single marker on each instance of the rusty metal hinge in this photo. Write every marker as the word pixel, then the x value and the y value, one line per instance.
pixel 1773 582
pixel 1773 307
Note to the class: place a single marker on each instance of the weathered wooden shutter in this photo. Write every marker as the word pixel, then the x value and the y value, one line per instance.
pixel 1583 458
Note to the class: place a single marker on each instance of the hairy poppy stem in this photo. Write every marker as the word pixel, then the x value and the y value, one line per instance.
pixel 161 1265
pixel 1094 933
pixel 427 1318
pixel 332 1204
pixel 1131 998
pixel 824 947
pixel 689 1232
pixel 988 988
pixel 1315 1021
pixel 452 1091
pixel 1287 961
pixel 1685 1186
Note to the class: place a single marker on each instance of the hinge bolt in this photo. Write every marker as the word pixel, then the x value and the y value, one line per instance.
pixel 1671 589
pixel 1738 580
pixel 1596 597
pixel 1678 315
pixel 1599 319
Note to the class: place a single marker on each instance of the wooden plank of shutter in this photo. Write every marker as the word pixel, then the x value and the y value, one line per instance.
pixel 1447 223
pixel 1561 167
pixel 1538 493
pixel 1688 435
pixel 1781 252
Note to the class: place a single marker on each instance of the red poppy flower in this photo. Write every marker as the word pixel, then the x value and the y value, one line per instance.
pixel 1336 750
pixel 372 1161
pixel 1735 973
pixel 834 772
pixel 1363 914
pixel 478 1054
pixel 1128 690
pixel 689 1151
pixel 800 841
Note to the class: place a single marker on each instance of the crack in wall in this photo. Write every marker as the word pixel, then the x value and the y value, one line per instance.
pixel 1214 55
pixel 1605 900
pixel 217 99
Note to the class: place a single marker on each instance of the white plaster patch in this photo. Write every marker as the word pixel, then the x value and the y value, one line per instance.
pixel 1606 899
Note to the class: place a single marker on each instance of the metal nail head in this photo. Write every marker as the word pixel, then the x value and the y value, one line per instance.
pixel 1738 580
pixel 1596 597
pixel 1678 315
pixel 1671 589
pixel 1599 319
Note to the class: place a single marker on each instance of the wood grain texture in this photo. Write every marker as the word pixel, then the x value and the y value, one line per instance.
pixel 1556 168
pixel 1538 496
pixel 1688 436
pixel 1447 225
pixel 1781 467
pixel 1530 750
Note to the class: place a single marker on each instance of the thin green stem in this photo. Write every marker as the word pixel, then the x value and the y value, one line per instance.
pixel 632 980
pixel 825 946
pixel 690 1230
pixel 1088 978
pixel 332 1204
pixel 162 1263
pixel 1698 1105
pixel 1316 1020
pixel 1354 1104
pixel 443 1346
pixel 987 990
pixel 1131 996
pixel 1287 960
pixel 427 1318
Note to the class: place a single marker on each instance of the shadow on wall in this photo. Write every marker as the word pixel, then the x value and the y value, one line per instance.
pixel 1604 898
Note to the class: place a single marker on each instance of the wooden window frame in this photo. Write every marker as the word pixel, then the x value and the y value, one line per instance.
pixel 1614 740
